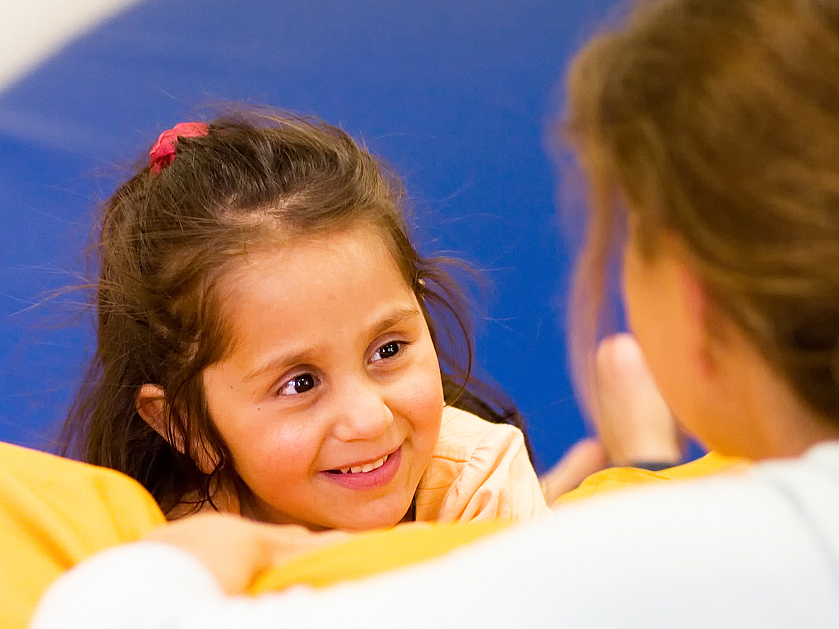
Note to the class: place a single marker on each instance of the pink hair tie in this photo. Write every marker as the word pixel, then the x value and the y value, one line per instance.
pixel 163 152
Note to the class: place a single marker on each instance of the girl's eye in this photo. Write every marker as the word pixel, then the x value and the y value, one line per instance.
pixel 388 350
pixel 298 384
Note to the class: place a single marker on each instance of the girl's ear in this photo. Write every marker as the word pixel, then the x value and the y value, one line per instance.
pixel 151 406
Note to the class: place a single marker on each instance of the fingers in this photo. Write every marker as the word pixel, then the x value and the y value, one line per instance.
pixel 584 459
pixel 284 543
pixel 236 550
pixel 633 420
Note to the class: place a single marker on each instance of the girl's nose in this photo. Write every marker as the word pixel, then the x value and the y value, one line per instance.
pixel 362 415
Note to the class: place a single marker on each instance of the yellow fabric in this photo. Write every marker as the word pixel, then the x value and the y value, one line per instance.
pixel 616 478
pixel 370 553
pixel 366 554
pixel 55 512
pixel 478 471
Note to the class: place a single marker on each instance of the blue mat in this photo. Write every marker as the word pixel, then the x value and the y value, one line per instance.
pixel 456 95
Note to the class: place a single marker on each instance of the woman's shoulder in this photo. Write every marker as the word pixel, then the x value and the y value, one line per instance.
pixel 799 496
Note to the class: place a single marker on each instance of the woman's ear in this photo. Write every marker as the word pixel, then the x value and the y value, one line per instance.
pixel 702 322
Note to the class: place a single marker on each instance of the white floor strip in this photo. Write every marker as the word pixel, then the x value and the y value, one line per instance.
pixel 33 30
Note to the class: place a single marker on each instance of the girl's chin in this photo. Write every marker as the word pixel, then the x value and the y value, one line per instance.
pixel 372 521
pixel 363 521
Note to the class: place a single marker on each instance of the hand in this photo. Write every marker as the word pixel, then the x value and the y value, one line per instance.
pixel 632 419
pixel 584 459
pixel 236 550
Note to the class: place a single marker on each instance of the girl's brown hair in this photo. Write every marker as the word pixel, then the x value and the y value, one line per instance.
pixel 165 241
pixel 718 121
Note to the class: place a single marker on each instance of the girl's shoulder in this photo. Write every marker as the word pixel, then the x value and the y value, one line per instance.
pixel 479 470
pixel 462 433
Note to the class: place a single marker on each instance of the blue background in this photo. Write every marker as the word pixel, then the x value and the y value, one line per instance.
pixel 458 96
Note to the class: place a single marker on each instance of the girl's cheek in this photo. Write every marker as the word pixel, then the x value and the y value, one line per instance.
pixel 428 401
pixel 418 394
pixel 267 450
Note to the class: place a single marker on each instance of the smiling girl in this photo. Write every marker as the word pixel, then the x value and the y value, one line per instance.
pixel 270 342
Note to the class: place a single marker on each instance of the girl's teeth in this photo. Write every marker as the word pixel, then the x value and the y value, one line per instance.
pixel 367 467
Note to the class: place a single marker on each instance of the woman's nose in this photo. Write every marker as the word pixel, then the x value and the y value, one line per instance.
pixel 362 414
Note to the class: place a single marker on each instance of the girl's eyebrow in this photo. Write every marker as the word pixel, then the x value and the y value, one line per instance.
pixel 396 317
pixel 274 364
pixel 282 361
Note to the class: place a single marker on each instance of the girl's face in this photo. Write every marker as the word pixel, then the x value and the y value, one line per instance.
pixel 330 398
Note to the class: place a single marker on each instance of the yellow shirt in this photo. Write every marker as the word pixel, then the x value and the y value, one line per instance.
pixel 55 512
pixel 617 478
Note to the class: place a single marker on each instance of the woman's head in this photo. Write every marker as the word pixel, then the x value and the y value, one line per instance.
pixel 176 247
pixel 713 124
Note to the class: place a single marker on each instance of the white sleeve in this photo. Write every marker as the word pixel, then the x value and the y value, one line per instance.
pixel 135 585
pixel 716 553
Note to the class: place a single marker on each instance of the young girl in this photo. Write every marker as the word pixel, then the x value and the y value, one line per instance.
pixel 270 342
pixel 709 134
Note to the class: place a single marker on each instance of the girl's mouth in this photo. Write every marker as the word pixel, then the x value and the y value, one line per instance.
pixel 373 475
pixel 362 469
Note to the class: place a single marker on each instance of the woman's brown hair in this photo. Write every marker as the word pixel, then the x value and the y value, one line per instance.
pixel 718 121
pixel 166 239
